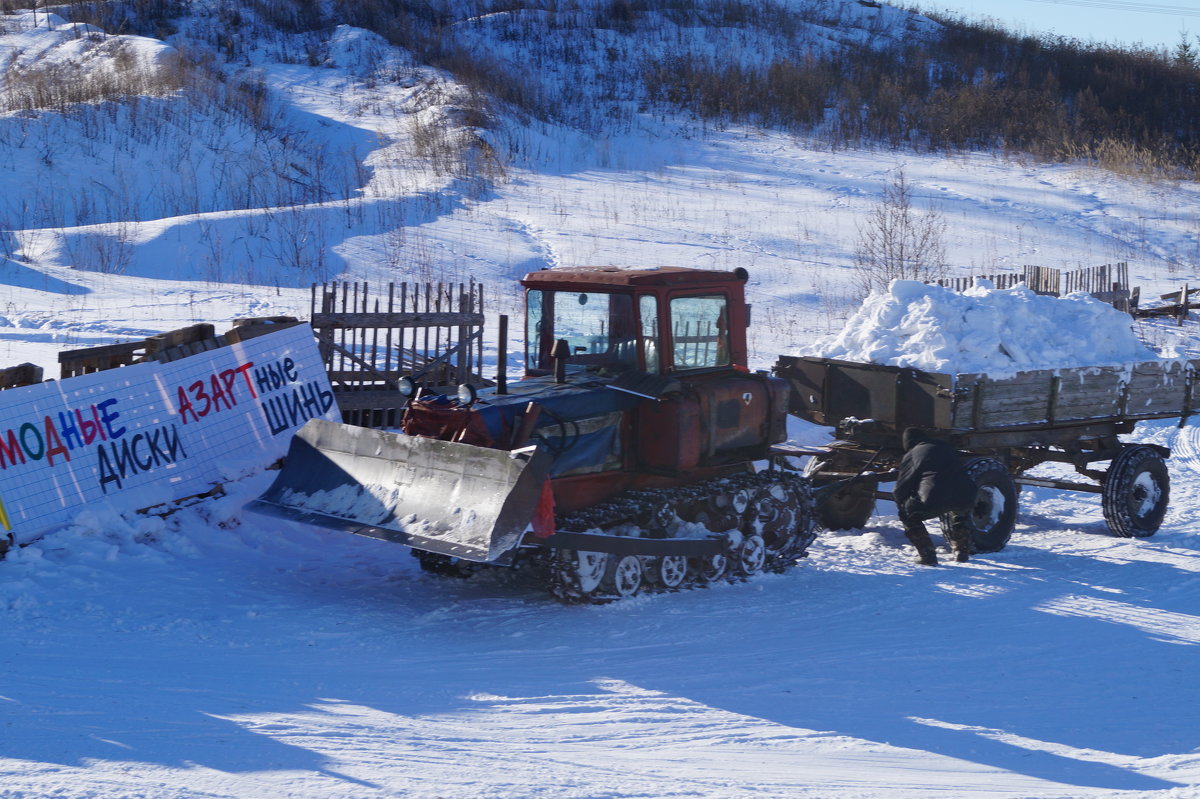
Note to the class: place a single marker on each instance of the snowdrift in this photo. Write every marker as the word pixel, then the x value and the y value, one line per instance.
pixel 983 330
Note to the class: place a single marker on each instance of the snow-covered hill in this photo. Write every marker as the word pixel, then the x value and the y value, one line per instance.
pixel 216 654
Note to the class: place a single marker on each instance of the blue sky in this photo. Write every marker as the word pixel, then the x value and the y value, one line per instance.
pixel 1154 24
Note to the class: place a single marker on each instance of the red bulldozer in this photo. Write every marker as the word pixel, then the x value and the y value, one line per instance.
pixel 624 460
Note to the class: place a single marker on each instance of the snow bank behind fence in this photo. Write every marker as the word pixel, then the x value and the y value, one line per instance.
pixel 984 329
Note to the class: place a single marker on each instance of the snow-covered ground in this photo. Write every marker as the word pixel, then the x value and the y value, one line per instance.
pixel 220 654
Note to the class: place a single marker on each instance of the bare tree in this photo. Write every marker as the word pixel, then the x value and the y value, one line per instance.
pixel 896 242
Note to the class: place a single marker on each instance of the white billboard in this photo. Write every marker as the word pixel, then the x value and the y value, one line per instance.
pixel 150 433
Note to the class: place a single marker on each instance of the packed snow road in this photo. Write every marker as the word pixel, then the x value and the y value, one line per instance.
pixel 216 655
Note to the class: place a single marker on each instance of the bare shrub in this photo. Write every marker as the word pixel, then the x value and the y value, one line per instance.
pixel 299 240
pixel 108 249
pixel 8 242
pixel 898 243
pixel 57 86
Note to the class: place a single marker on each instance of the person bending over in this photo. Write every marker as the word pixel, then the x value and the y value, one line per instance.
pixel 931 482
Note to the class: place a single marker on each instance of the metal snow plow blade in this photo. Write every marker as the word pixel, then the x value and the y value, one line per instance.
pixel 454 499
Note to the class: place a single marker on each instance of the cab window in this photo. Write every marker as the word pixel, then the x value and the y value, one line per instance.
pixel 534 341
pixel 699 332
pixel 648 311
pixel 599 328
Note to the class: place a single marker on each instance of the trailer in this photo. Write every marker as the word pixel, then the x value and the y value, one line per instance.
pixel 1004 426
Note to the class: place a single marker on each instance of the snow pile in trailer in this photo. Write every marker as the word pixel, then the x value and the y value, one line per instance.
pixel 984 329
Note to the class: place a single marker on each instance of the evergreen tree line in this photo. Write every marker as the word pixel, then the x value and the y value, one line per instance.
pixel 973 88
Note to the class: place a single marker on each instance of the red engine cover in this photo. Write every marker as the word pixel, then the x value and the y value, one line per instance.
pixel 668 433
pixel 742 412
pixel 719 414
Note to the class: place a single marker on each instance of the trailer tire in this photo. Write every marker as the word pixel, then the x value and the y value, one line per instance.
pixel 1136 492
pixel 848 508
pixel 994 514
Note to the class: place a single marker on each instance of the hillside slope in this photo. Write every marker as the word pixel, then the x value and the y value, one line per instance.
pixel 257 149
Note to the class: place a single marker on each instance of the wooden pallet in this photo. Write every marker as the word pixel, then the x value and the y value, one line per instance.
pixel 26 374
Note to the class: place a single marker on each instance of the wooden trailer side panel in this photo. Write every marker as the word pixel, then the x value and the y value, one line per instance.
pixel 981 402
pixel 1151 390
pixel 1043 397
pixel 1093 393
pixel 1162 388
pixel 827 391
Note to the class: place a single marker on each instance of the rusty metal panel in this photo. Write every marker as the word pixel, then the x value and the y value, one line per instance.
pixel 827 391
pixel 860 392
pixel 924 399
pixel 806 376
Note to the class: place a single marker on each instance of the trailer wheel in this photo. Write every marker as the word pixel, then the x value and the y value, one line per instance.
pixel 994 514
pixel 848 508
pixel 1136 492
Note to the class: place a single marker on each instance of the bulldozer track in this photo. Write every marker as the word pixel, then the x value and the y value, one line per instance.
pixel 764 522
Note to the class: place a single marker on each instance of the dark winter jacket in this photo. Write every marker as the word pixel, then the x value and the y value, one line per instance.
pixel 931 479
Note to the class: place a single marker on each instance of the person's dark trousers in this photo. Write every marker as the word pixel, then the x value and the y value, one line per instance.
pixel 913 517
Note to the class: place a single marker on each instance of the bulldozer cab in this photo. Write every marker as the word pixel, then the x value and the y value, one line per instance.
pixel 657 321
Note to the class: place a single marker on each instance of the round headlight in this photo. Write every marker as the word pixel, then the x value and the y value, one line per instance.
pixel 406 386
pixel 467 394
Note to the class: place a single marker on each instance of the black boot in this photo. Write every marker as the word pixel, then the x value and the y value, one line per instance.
pixel 918 536
pixel 960 537
pixel 927 555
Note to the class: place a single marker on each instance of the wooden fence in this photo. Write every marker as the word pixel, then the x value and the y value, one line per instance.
pixel 1109 282
pixel 1184 302
pixel 369 339
pixel 1004 280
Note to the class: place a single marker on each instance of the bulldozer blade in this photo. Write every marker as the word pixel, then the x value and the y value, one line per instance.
pixel 455 499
